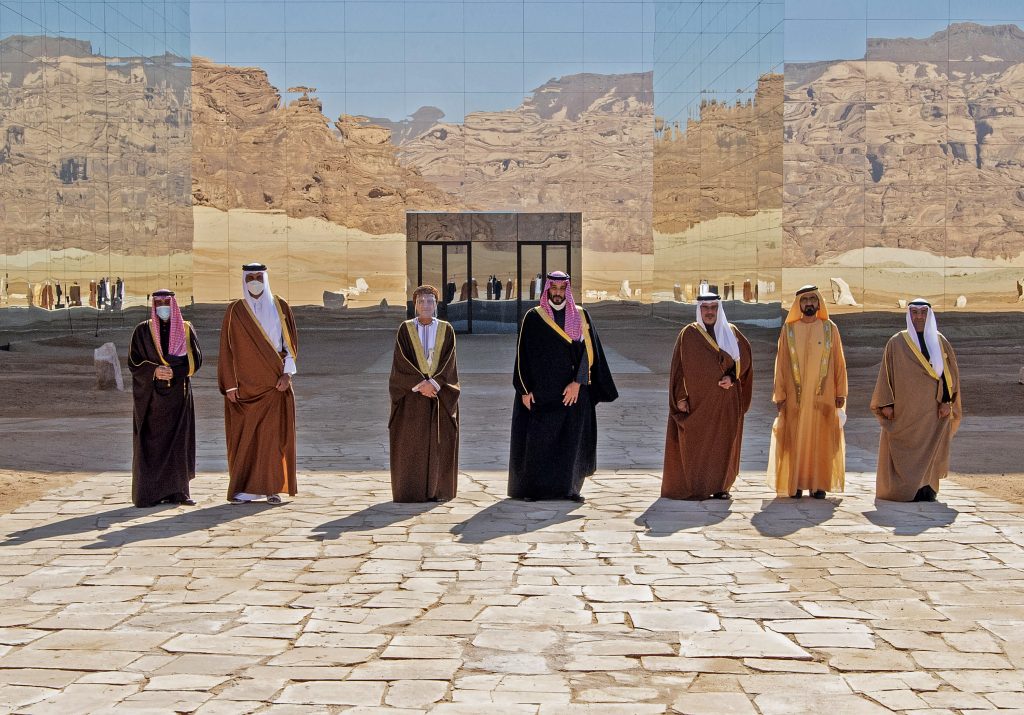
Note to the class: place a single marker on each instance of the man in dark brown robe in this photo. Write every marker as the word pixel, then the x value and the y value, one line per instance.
pixel 917 400
pixel 163 356
pixel 257 361
pixel 424 422
pixel 710 386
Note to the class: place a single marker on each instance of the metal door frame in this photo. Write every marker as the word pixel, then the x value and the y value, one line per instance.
pixel 444 271
pixel 543 266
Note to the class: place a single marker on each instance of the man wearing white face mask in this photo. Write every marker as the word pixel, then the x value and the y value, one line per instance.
pixel 257 361
pixel 163 356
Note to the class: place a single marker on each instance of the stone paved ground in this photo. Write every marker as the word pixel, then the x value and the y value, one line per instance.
pixel 342 602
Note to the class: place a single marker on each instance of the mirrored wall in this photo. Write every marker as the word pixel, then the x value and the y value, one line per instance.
pixel 869 146
pixel 319 124
pixel 718 150
pixel 95 190
pixel 904 124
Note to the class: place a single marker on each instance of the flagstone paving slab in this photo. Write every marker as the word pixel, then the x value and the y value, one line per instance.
pixel 341 601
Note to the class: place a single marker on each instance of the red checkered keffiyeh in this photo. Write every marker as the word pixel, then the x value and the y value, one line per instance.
pixel 573 323
pixel 176 342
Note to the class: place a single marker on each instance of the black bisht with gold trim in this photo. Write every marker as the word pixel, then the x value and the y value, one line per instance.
pixel 554 447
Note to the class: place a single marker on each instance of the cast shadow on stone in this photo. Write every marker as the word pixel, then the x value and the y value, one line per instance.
pixel 185 522
pixel 80 524
pixel 373 517
pixel 510 517
pixel 911 518
pixel 784 516
pixel 665 517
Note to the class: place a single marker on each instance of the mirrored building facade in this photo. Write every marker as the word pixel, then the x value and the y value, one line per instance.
pixel 95 196
pixel 870 147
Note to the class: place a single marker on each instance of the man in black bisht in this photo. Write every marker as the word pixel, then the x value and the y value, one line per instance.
pixel 164 355
pixel 560 376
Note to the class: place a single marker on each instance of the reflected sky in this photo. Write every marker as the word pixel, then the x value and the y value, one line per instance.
pixel 140 28
pixel 387 59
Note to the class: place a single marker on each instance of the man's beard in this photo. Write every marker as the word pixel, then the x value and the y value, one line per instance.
pixel 556 299
pixel 810 310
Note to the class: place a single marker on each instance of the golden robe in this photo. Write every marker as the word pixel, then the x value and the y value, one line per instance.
pixel 913 449
pixel 260 426
pixel 807 448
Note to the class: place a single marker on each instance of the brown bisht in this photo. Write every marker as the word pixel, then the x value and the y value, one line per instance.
pixel 163 421
pixel 424 431
pixel 260 426
pixel 913 449
pixel 702 447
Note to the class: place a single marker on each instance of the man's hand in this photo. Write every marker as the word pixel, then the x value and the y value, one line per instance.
pixel 426 389
pixel 232 396
pixel 840 402
pixel 528 400
pixel 945 410
pixel 888 412
pixel 284 382
pixel 780 405
pixel 163 373
pixel 726 382
pixel 683 405
pixel 570 394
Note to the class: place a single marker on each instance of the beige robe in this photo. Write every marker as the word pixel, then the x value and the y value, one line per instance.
pixel 913 449
pixel 807 448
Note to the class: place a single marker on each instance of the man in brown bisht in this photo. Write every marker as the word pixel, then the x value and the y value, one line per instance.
pixel 807 448
pixel 257 362
pixel 917 400
pixel 163 356
pixel 710 386
pixel 424 423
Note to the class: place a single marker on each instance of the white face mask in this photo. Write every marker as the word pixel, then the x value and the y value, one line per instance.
pixel 255 287
pixel 163 312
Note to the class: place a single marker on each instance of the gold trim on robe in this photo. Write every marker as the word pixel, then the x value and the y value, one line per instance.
pixel 584 330
pixel 427 367
pixel 927 364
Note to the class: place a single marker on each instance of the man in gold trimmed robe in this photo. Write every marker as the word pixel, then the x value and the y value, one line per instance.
pixel 710 386
pixel 917 400
pixel 807 448
pixel 560 375
pixel 163 356
pixel 424 422
pixel 257 362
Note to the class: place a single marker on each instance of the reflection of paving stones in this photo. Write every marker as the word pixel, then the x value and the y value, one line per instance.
pixel 624 604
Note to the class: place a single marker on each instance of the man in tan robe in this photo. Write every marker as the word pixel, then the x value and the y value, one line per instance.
pixel 710 385
pixel 257 362
pixel 424 422
pixel 807 448
pixel 917 400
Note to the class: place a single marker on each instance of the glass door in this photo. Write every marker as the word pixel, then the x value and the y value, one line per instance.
pixel 448 267
pixel 459 290
pixel 535 260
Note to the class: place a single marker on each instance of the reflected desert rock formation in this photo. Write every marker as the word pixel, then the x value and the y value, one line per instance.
pixel 728 162
pixel 249 152
pixel 918 148
pixel 93 155
pixel 578 143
